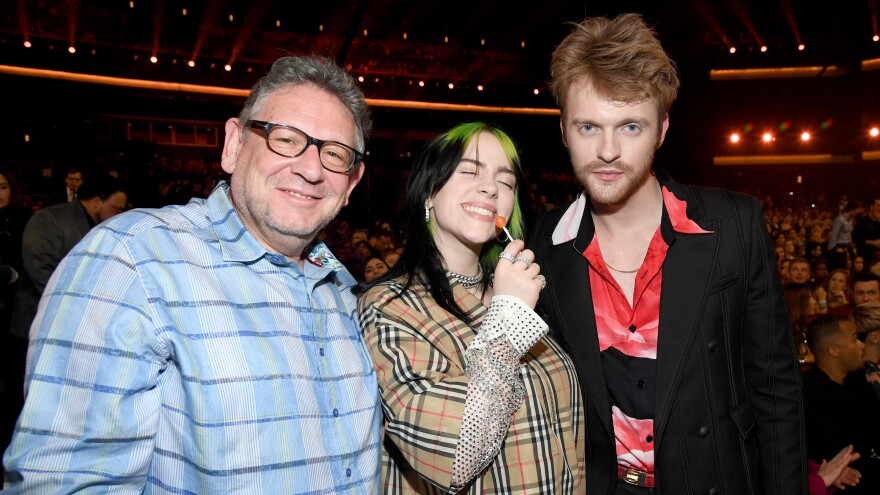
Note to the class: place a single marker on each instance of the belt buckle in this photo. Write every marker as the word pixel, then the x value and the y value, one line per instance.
pixel 634 477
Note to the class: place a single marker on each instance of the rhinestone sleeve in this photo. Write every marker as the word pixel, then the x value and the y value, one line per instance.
pixel 495 388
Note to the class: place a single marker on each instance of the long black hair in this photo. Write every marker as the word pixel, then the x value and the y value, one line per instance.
pixel 431 170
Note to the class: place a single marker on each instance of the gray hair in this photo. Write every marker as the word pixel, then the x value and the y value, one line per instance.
pixel 317 71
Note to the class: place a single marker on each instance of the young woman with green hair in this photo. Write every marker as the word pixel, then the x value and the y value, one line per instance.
pixel 477 398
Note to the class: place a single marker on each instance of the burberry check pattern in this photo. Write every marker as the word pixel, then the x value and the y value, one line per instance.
pixel 421 355
pixel 173 354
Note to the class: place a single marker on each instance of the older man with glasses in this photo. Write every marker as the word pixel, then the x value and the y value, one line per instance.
pixel 213 347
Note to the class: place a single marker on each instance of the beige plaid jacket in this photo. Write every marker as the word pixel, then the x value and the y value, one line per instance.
pixel 419 352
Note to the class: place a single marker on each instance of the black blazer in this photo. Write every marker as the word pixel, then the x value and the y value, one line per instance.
pixel 728 405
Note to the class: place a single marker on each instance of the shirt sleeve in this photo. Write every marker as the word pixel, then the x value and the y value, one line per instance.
pixel 92 405
pixel 447 408
pixel 495 391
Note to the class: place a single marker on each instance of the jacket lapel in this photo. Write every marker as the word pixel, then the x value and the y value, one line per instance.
pixel 687 273
pixel 571 298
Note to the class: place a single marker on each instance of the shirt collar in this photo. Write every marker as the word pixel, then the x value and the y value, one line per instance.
pixel 238 244
pixel 573 221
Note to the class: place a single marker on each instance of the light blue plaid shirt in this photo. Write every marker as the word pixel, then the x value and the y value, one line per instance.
pixel 172 353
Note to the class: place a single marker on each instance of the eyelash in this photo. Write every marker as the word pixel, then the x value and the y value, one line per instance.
pixel 468 172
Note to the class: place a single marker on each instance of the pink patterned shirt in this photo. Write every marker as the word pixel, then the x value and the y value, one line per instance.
pixel 628 338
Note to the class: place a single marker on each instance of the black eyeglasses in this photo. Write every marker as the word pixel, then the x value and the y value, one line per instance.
pixel 291 142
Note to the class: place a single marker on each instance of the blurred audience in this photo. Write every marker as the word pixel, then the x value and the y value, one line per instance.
pixel 841 409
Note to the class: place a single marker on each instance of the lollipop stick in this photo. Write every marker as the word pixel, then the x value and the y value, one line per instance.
pixel 501 223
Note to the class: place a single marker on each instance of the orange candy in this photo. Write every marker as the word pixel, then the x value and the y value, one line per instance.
pixel 500 222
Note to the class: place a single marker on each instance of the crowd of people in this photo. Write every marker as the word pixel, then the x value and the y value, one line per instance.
pixel 251 341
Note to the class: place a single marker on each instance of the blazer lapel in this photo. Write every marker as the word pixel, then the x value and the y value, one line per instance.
pixel 569 294
pixel 687 274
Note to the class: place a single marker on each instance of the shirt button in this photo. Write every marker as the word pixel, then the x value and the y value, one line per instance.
pixel 321 351
pixel 704 431
pixel 632 328
pixel 649 439
pixel 348 472
pixel 336 414
pixel 640 384
pixel 713 346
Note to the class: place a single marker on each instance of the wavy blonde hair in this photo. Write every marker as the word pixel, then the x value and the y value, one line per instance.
pixel 621 58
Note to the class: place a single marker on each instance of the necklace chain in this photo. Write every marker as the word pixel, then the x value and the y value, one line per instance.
pixel 621 271
pixel 468 281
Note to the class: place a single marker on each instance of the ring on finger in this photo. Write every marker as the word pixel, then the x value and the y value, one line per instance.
pixel 525 259
pixel 542 279
pixel 509 257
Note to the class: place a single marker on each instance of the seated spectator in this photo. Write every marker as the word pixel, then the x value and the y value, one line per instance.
pixel 820 271
pixel 383 241
pixel 374 269
pixel 799 271
pixel 866 288
pixel 790 248
pixel 858 264
pixel 391 258
pixel 366 251
pixel 867 319
pixel 834 297
pixel 780 253
pixel 783 265
pixel 802 308
pixel 840 406
pixel 358 235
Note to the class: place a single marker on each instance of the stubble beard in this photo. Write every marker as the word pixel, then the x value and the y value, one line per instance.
pixel 267 221
pixel 618 192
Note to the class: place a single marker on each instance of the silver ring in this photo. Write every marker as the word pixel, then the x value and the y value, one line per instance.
pixel 509 257
pixel 525 259
pixel 543 281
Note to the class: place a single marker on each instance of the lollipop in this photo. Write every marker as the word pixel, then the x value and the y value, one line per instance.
pixel 500 222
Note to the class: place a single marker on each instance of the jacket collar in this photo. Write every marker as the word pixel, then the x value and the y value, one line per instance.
pixel 677 216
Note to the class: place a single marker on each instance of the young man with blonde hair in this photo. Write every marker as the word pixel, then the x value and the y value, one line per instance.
pixel 696 391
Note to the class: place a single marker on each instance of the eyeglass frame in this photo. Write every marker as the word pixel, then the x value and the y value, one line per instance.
pixel 267 127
